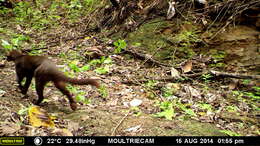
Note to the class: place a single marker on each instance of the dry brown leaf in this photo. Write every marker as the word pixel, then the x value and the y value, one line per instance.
pixel 9 128
pixel 112 102
pixel 84 117
pixel 187 66
pixel 192 91
pixel 175 73
pixel 94 52
pixel 73 126
pixel 62 132
pixel 233 85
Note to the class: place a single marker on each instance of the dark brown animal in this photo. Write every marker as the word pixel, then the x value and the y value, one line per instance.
pixel 44 70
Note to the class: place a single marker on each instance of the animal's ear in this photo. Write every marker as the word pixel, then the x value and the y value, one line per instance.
pixel 9 57
pixel 12 55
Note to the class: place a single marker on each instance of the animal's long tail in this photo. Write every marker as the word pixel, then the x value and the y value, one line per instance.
pixel 92 82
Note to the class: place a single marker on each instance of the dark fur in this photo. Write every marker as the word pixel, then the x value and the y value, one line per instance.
pixel 44 70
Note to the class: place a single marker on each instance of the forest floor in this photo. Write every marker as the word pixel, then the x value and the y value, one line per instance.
pixel 102 115
pixel 195 105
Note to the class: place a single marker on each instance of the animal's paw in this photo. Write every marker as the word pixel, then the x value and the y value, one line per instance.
pixel 23 92
pixel 25 96
pixel 36 102
pixel 73 106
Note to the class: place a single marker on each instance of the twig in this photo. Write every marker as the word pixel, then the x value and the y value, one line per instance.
pixel 227 23
pixel 121 121
pixel 234 75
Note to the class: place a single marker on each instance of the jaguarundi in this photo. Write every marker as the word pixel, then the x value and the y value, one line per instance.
pixel 44 70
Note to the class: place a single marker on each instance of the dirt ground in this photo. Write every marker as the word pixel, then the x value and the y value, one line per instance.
pixel 98 118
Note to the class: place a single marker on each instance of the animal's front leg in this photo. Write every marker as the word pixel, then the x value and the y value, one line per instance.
pixel 27 84
pixel 19 78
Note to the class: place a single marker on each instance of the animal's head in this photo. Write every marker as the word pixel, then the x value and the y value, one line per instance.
pixel 14 54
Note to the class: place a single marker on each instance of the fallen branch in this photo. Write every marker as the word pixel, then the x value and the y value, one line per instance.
pixel 234 75
pixel 146 57
pixel 121 121
pixel 213 72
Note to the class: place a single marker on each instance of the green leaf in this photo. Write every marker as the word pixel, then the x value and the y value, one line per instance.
pixel 80 97
pixel 230 133
pixel 190 112
pixel 168 111
pixel 72 89
pixel 22 111
pixel 6 45
pixel 15 41
pixel 107 61
pixel 205 106
pixel 85 68
pixel 95 62
pixel 137 44
pixel 103 91
pixel 102 70
pixel 73 66
pixel 120 44
pixel 87 101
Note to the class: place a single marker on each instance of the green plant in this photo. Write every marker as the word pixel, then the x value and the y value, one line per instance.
pixel 3 10
pixel 23 111
pixel 205 106
pixel 35 52
pixel 206 77
pixel 186 39
pixel 137 44
pixel 103 91
pixel 81 98
pixel 254 95
pixel 218 55
pixel 169 90
pixel 150 84
pixel 102 70
pixel 73 65
pixel 246 81
pixel 7 46
pixel 257 90
pixel 136 111
pixel 167 110
pixel 232 108
pixel 75 4
pixel 230 133
pixel 79 95
pixel 15 42
pixel 120 44
pixel 185 109
pixel 102 60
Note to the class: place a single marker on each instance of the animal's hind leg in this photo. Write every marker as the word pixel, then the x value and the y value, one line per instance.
pixel 62 87
pixel 40 83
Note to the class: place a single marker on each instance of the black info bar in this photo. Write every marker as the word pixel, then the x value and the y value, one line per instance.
pixel 128 140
